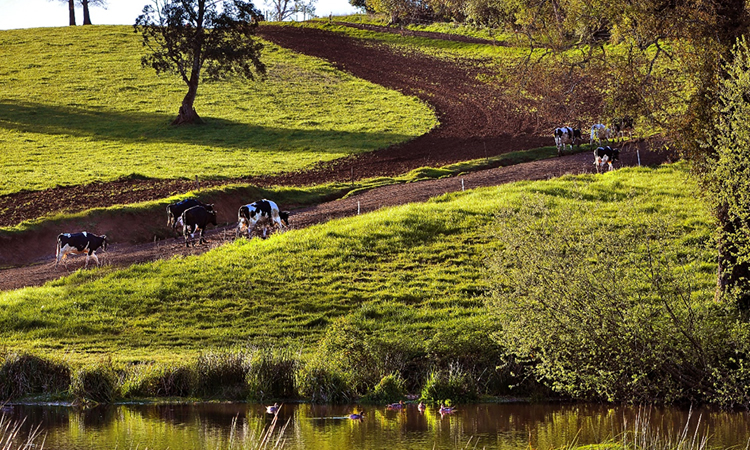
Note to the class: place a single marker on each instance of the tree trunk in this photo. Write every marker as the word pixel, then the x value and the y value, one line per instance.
pixel 72 12
pixel 733 275
pixel 86 16
pixel 187 114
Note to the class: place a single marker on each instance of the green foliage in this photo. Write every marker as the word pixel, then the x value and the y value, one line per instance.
pixel 607 304
pixel 98 383
pixel 449 386
pixel 222 374
pixel 92 100
pixel 198 39
pixel 273 373
pixel 154 380
pixel 390 389
pixel 23 374
pixel 322 383
pixel 728 177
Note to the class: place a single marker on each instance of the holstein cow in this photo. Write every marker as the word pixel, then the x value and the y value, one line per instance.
pixel 175 210
pixel 565 136
pixel 621 126
pixel 605 155
pixel 261 211
pixel 83 242
pixel 194 219
pixel 599 133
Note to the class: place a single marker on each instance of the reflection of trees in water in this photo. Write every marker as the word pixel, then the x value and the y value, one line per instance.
pixel 510 425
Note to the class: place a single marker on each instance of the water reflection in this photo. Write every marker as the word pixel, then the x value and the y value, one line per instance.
pixel 491 426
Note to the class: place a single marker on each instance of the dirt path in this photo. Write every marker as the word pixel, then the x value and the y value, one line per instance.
pixel 124 255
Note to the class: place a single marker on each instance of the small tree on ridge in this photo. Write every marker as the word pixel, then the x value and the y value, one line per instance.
pixel 186 36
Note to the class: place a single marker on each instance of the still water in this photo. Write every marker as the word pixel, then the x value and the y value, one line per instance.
pixel 490 426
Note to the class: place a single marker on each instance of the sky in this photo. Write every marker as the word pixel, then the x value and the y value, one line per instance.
pixel 54 13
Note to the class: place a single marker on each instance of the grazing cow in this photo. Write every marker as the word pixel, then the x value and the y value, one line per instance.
pixel 599 133
pixel 194 219
pixel 84 242
pixel 565 136
pixel 621 126
pixel 175 210
pixel 263 210
pixel 605 155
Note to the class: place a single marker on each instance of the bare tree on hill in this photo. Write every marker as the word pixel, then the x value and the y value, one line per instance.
pixel 85 4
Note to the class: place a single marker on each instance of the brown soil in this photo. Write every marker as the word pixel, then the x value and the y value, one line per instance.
pixel 473 124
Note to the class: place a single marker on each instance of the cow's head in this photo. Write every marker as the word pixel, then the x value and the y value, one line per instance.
pixel 105 242
pixel 212 216
pixel 284 216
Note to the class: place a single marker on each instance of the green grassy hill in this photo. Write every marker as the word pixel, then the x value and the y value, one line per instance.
pixel 407 272
pixel 76 106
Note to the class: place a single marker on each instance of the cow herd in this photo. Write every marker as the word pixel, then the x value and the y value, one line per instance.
pixel 604 156
pixel 190 214
pixel 194 216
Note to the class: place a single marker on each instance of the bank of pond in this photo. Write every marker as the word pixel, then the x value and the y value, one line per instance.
pixel 302 426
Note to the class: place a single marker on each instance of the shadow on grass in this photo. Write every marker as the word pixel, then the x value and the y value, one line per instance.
pixel 141 127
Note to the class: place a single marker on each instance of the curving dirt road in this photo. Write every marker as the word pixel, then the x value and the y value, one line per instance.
pixel 473 125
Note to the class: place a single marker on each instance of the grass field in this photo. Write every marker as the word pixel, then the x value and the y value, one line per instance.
pixel 408 272
pixel 76 106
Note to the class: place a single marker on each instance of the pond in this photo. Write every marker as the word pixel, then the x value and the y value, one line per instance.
pixel 304 426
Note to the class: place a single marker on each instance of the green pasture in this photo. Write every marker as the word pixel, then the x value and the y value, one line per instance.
pixel 76 107
pixel 408 272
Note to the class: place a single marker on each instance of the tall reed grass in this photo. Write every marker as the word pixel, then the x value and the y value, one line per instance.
pixel 10 431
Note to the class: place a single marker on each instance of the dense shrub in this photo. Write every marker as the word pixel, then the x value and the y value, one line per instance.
pixel 99 383
pixel 390 389
pixel 25 374
pixel 453 384
pixel 222 375
pixel 158 381
pixel 273 374
pixel 320 383
pixel 608 306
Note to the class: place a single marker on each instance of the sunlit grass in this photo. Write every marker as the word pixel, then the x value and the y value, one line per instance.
pixel 411 270
pixel 76 106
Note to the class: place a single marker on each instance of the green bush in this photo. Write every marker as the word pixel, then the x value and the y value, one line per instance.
pixel 222 375
pixel 607 306
pixel 390 389
pixel 99 383
pixel 273 374
pixel 159 381
pixel 24 374
pixel 453 384
pixel 322 384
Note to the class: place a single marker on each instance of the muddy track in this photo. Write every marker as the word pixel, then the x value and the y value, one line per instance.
pixel 473 125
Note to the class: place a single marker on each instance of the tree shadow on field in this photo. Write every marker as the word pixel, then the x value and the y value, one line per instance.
pixel 143 128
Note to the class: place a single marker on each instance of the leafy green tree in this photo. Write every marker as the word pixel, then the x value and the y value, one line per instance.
pixel 728 177
pixel 187 36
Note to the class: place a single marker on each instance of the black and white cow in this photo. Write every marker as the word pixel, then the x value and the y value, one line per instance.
pixel 261 211
pixel 599 133
pixel 565 136
pixel 83 242
pixel 621 126
pixel 605 155
pixel 175 210
pixel 194 219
